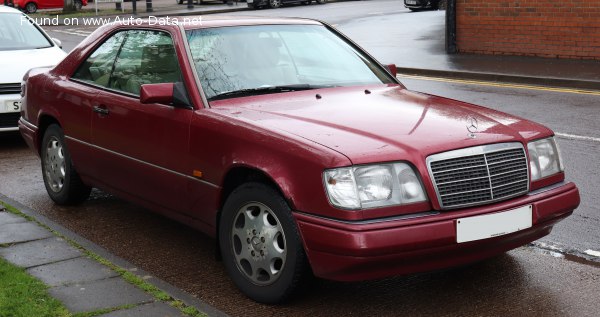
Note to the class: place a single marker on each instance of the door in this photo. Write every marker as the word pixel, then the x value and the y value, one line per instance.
pixel 142 148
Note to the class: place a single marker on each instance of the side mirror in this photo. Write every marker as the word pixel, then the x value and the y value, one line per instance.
pixel 57 42
pixel 173 94
pixel 157 93
pixel 392 69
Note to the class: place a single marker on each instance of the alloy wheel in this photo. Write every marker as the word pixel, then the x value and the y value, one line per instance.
pixel 258 243
pixel 55 166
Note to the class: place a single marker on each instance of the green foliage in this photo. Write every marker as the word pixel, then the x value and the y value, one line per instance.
pixel 22 295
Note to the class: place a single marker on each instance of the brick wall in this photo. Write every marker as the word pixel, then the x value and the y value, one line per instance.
pixel 548 28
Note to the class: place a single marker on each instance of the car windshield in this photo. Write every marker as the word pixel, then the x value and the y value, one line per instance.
pixel 17 33
pixel 246 60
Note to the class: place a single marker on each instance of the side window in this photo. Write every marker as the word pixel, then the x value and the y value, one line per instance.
pixel 97 67
pixel 147 57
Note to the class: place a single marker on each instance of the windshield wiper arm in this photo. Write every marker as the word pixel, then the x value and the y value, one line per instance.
pixel 265 90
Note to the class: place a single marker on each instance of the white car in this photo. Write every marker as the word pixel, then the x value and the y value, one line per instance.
pixel 23 45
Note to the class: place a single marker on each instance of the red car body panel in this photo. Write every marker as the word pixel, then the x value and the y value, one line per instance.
pixel 148 154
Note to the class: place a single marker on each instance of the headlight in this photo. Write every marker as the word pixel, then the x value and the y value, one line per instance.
pixel 371 186
pixel 544 158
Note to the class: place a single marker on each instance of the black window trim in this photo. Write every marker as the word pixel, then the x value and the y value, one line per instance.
pixel 111 34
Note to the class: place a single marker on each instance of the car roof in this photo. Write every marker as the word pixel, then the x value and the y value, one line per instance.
pixel 7 9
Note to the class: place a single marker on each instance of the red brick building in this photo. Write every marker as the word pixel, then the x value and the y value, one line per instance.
pixel 548 28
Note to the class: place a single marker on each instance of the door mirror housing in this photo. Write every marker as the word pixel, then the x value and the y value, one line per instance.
pixel 173 94
pixel 392 69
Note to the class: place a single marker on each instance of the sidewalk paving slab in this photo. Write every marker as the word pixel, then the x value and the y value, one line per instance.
pixel 104 294
pixel 22 232
pixel 147 310
pixel 39 252
pixel 78 270
pixel 8 218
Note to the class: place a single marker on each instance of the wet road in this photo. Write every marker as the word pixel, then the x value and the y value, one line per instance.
pixel 525 282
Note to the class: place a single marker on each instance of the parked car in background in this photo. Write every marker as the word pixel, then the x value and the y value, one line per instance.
pixel 23 45
pixel 255 4
pixel 417 5
pixel 199 1
pixel 31 6
pixel 294 148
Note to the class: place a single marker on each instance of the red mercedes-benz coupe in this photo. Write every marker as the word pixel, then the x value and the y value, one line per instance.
pixel 294 148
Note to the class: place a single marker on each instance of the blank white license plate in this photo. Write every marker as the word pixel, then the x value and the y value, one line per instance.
pixel 493 225
pixel 11 106
pixel 411 2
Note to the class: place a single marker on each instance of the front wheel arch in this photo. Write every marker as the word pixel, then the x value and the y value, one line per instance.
pixel 236 177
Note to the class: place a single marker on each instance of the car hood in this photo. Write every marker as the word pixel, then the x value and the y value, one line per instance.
pixel 15 64
pixel 375 124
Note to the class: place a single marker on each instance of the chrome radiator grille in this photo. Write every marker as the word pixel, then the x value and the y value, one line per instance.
pixel 479 175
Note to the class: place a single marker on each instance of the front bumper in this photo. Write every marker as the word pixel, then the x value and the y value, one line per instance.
pixel 29 132
pixel 353 251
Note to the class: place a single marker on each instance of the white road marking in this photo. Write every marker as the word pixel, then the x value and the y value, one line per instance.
pixel 593 253
pixel 73 32
pixel 577 137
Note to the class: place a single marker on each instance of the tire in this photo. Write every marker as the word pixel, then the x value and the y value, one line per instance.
pixel 63 184
pixel 179 1
pixel 260 244
pixel 31 7
pixel 321 1
pixel 305 3
pixel 78 5
pixel 274 4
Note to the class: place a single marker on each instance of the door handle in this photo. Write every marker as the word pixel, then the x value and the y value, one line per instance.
pixel 101 110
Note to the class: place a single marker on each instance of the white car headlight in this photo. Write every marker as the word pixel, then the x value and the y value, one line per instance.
pixel 371 186
pixel 544 158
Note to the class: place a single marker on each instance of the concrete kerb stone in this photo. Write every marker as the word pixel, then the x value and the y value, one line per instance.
pixel 171 290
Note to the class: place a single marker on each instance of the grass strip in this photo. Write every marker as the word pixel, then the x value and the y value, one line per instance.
pixel 22 295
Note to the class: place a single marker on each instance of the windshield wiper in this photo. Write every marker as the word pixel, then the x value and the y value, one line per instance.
pixel 265 90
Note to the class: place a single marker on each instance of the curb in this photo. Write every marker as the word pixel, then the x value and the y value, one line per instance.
pixel 516 79
pixel 171 290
